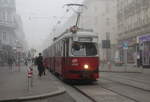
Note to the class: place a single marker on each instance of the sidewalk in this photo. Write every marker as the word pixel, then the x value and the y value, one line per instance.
pixel 14 84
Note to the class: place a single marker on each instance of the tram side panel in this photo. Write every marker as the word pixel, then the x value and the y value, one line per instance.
pixel 58 65
pixel 58 57
pixel 52 58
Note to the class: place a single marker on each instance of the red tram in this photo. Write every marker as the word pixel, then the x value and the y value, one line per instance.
pixel 74 56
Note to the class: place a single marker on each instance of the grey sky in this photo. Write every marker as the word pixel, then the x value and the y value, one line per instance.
pixel 39 16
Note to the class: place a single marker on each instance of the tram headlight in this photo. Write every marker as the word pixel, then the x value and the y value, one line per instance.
pixel 86 66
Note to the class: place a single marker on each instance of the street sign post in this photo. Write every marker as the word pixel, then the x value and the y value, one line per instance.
pixel 125 47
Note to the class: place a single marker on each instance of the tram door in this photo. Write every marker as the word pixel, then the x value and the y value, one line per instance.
pixel 66 51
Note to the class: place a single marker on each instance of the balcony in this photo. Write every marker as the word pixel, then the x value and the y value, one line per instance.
pixel 9 5
pixel 8 24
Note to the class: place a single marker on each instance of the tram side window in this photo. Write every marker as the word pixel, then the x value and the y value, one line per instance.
pixel 67 47
pixel 64 48
pixel 56 49
pixel 61 48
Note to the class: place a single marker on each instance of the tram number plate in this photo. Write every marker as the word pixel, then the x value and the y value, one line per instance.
pixel 86 74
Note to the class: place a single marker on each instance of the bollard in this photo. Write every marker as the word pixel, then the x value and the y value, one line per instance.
pixel 30 77
pixel 19 67
pixel 30 74
pixel 109 66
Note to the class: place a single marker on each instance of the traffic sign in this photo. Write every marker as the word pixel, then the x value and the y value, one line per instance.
pixel 125 45
pixel 106 44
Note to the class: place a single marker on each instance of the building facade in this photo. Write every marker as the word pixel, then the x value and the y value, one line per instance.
pixel 9 29
pixel 7 21
pixel 133 23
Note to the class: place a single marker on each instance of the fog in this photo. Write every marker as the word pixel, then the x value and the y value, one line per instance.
pixel 40 16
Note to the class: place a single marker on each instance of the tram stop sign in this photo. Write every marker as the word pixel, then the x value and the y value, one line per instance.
pixel 125 45
pixel 106 44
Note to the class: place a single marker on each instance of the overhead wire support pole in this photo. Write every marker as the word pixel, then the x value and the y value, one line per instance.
pixel 78 19
pixel 78 12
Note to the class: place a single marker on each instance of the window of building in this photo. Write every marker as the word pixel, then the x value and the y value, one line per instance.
pixel 6 1
pixel 4 36
pixel 107 21
pixel 0 37
pixel 148 14
pixel 2 1
pixel 4 16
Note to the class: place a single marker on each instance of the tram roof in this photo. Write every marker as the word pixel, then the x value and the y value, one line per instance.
pixel 81 34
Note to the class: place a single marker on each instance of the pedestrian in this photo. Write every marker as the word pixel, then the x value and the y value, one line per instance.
pixel 138 60
pixel 10 62
pixel 26 62
pixel 44 66
pixel 35 61
pixel 40 65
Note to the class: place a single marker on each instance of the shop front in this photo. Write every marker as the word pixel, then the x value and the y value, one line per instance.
pixel 144 42
pixel 128 52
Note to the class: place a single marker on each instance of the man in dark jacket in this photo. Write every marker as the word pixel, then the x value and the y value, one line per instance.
pixel 40 64
pixel 10 62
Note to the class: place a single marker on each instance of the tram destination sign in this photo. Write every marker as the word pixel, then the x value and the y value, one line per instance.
pixel 85 39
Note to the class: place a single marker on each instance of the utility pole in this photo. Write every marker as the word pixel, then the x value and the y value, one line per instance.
pixel 125 47
pixel 78 12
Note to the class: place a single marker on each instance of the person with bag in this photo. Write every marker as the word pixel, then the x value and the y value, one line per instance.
pixel 40 65
pixel 10 62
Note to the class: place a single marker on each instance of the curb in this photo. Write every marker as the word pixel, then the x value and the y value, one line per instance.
pixel 45 95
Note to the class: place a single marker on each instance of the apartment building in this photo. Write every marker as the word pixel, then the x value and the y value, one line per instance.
pixel 133 23
pixel 10 30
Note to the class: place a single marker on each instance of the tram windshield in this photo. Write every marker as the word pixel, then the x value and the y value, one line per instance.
pixel 84 49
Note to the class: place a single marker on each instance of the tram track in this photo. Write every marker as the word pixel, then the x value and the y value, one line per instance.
pixel 120 94
pixel 93 100
pixel 83 93
pixel 140 79
pixel 90 97
pixel 69 86
pixel 127 84
pixel 135 80
pixel 82 90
